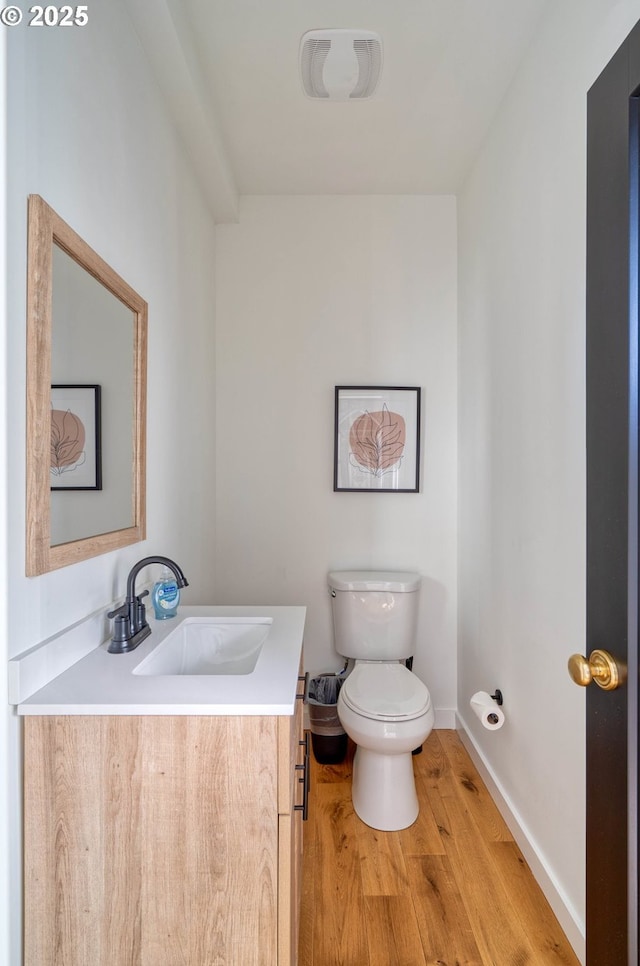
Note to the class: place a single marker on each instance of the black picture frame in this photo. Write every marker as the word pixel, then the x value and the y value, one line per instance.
pixel 377 439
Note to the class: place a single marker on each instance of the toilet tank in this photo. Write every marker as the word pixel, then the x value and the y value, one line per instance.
pixel 375 613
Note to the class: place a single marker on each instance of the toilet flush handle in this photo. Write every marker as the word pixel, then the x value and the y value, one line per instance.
pixel 332 592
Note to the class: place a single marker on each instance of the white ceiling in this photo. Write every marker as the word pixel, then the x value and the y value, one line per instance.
pixel 447 65
pixel 229 73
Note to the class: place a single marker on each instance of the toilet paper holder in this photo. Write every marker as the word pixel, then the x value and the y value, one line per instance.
pixel 483 706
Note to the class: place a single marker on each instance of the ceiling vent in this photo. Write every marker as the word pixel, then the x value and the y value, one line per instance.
pixel 339 64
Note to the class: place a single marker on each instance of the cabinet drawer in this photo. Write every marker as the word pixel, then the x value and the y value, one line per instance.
pixel 291 750
pixel 291 758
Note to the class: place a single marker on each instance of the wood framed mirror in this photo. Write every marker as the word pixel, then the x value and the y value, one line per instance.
pixel 86 400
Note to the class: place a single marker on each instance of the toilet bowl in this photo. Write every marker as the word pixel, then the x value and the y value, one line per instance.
pixel 387 712
pixel 383 706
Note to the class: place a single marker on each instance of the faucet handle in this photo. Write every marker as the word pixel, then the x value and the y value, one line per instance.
pixel 122 611
pixel 140 612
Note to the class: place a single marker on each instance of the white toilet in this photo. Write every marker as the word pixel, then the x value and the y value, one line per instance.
pixel 382 705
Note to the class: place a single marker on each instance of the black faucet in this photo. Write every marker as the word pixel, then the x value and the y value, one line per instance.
pixel 130 626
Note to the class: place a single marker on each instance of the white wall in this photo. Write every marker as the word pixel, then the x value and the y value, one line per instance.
pixel 314 292
pixel 88 131
pixel 7 747
pixel 522 429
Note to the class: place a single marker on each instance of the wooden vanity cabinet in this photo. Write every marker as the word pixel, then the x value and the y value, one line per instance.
pixel 163 841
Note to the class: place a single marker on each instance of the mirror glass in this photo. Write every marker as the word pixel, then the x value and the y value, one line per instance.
pixel 94 356
pixel 86 378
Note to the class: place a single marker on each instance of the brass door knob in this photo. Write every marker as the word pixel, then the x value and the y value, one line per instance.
pixel 601 667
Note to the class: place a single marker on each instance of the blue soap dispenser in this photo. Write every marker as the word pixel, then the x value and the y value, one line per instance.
pixel 165 596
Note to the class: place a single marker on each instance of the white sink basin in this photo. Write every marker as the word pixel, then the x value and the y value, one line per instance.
pixel 209 645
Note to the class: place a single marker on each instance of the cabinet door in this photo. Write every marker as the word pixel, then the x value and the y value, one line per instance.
pixel 151 840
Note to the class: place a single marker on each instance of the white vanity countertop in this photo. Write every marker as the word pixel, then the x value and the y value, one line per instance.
pixel 103 683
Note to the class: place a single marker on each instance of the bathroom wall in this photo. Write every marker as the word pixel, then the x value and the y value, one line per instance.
pixel 314 292
pixel 522 430
pixel 87 129
pixel 7 793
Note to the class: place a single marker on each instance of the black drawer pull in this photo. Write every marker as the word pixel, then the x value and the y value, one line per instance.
pixel 305 781
pixel 301 696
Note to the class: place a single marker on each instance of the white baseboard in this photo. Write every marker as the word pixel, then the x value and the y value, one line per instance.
pixel 566 915
pixel 445 719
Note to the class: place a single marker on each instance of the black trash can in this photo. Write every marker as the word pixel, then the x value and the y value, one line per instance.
pixel 328 737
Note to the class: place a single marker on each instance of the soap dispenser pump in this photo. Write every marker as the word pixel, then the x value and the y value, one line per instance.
pixel 165 596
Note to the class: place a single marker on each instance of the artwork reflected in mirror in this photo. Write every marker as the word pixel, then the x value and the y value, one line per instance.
pixel 76 428
pixel 86 389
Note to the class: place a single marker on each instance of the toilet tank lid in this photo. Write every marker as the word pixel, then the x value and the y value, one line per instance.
pixel 397 582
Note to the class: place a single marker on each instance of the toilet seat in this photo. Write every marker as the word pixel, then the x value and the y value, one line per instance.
pixel 385 692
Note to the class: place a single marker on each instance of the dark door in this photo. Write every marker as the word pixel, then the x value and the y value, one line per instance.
pixel 612 505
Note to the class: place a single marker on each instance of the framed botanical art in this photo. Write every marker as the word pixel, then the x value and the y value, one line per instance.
pixel 377 439
pixel 76 457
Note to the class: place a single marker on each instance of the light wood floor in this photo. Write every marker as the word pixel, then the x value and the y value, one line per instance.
pixel 452 890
